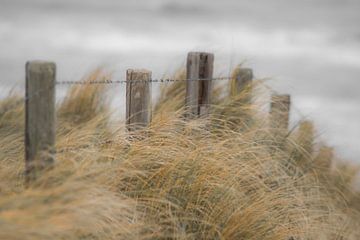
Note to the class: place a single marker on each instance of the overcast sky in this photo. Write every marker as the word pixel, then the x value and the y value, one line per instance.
pixel 309 48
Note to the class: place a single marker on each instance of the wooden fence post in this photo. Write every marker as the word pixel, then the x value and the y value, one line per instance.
pixel 280 112
pixel 243 78
pixel 198 92
pixel 39 117
pixel 138 99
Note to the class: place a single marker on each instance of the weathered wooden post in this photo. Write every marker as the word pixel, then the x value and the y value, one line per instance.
pixel 306 136
pixel 280 112
pixel 241 95
pixel 243 79
pixel 198 92
pixel 39 117
pixel 138 99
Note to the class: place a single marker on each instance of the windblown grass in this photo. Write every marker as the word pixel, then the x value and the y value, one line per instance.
pixel 221 177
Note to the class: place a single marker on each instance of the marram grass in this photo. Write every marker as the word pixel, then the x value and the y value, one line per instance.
pixel 226 176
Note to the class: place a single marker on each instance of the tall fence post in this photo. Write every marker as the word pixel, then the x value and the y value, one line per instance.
pixel 199 66
pixel 243 79
pixel 138 99
pixel 280 112
pixel 39 117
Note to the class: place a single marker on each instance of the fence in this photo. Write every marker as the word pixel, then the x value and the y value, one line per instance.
pixel 40 103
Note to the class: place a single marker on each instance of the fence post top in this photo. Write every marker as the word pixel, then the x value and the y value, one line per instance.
pixel 131 70
pixel 245 70
pixel 281 98
pixel 200 53
pixel 38 65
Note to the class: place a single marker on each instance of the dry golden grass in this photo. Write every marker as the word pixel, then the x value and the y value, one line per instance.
pixel 221 177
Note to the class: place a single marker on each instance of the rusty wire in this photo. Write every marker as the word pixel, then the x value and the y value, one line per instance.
pixel 20 101
pixel 160 80
pixel 85 146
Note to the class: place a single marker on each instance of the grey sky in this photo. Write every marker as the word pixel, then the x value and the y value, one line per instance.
pixel 310 48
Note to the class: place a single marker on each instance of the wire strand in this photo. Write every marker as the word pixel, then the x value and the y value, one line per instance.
pixel 161 80
pixel 20 101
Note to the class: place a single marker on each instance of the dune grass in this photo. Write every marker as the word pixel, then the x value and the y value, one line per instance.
pixel 225 176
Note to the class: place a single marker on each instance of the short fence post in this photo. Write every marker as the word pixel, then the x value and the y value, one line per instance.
pixel 198 92
pixel 280 112
pixel 243 79
pixel 39 117
pixel 138 99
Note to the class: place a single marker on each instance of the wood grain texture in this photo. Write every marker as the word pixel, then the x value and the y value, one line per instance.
pixel 40 117
pixel 244 77
pixel 198 93
pixel 138 99
pixel 280 112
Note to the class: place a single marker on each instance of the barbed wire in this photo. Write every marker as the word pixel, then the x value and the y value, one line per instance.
pixel 85 146
pixel 98 144
pixel 160 80
pixel 17 103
